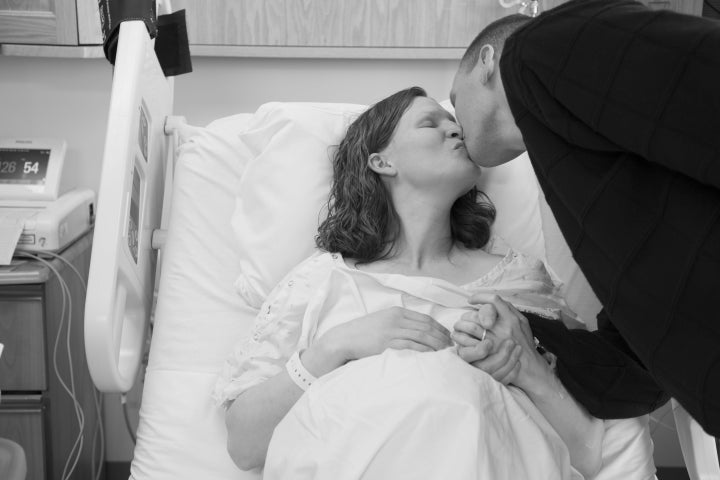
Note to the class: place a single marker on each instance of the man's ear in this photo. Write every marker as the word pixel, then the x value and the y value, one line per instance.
pixel 486 63
pixel 378 163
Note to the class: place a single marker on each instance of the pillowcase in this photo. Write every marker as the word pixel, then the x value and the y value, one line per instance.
pixel 283 188
pixel 286 183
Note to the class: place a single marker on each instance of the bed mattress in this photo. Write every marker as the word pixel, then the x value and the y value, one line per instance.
pixel 199 316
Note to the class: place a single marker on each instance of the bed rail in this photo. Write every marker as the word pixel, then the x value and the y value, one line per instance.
pixel 130 203
pixel 698 448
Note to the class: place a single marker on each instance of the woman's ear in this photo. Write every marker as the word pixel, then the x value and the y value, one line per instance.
pixel 379 164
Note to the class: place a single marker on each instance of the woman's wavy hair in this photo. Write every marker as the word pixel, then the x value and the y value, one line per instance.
pixel 362 222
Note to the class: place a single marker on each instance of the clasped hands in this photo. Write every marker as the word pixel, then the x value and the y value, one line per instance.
pixel 497 339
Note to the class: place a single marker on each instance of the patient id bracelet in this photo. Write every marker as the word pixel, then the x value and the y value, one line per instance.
pixel 298 373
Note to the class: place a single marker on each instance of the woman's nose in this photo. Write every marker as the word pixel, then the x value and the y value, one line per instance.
pixel 455 132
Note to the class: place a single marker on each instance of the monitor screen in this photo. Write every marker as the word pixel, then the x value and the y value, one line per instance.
pixel 23 166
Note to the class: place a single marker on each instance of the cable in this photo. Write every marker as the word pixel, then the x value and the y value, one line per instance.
pixel 99 430
pixel 76 450
pixel 123 401
pixel 97 397
pixel 66 262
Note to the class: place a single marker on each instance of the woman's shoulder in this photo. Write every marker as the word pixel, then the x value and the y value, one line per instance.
pixel 309 271
pixel 510 264
pixel 319 261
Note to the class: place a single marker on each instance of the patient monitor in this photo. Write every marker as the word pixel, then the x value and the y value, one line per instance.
pixel 34 214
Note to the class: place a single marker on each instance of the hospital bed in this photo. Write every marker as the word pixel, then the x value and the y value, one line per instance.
pixel 174 204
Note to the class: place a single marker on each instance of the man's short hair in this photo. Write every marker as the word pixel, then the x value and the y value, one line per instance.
pixel 494 34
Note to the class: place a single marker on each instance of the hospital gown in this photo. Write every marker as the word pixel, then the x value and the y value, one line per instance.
pixel 400 414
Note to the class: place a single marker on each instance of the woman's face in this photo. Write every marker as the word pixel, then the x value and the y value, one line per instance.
pixel 428 152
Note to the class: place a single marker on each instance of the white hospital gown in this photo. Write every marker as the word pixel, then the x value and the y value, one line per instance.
pixel 402 414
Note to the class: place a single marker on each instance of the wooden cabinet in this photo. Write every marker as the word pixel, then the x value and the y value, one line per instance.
pixel 38 21
pixel 350 28
pixel 36 411
pixel 691 7
pixel 282 28
pixel 50 22
pixel 338 23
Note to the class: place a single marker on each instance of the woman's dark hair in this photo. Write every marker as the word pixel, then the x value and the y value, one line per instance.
pixel 362 222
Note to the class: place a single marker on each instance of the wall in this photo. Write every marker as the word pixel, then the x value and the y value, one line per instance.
pixel 68 98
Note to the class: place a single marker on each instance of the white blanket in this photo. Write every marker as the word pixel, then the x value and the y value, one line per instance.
pixel 411 415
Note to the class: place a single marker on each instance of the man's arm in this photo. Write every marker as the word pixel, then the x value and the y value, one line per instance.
pixel 599 369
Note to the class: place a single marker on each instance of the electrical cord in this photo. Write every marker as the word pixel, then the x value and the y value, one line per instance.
pixel 123 401
pixel 99 432
pixel 76 450
pixel 123 398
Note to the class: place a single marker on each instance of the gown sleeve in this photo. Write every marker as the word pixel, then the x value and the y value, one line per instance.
pixel 275 334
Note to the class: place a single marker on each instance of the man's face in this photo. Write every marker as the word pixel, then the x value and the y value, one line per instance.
pixel 475 112
pixel 491 136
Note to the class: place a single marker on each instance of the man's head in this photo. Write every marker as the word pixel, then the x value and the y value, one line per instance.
pixel 491 136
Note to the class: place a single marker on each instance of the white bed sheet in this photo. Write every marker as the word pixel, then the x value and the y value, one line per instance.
pixel 199 317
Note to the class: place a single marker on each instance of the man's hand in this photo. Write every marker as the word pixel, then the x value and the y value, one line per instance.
pixel 529 371
pixel 476 345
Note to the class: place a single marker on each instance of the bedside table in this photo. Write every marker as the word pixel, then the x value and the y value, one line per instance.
pixel 35 410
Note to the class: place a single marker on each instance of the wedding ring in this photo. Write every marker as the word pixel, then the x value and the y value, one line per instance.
pixel 483 335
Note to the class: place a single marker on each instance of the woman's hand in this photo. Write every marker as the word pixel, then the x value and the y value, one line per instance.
pixel 394 327
pixel 515 360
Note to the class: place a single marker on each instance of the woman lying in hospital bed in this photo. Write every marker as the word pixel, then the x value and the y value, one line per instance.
pixel 372 321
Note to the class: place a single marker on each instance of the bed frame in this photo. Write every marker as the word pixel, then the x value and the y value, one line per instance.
pixel 133 205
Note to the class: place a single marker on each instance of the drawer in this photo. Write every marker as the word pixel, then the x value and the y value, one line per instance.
pixel 22 421
pixel 22 364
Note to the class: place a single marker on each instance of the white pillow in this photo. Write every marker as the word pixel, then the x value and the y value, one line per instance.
pixel 286 184
pixel 283 189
